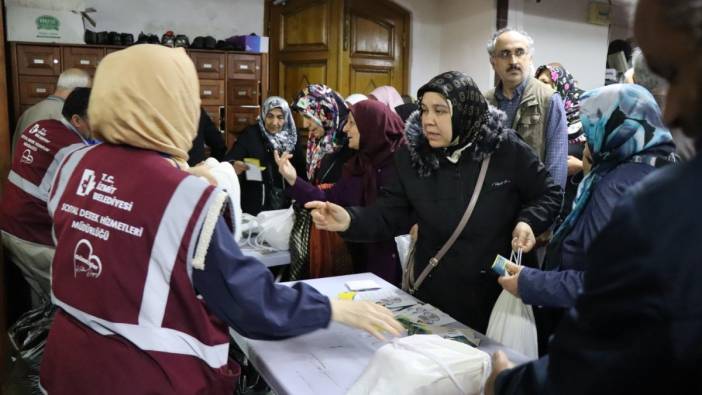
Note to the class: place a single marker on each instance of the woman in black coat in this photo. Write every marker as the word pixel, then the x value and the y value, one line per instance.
pixel 448 139
pixel 275 130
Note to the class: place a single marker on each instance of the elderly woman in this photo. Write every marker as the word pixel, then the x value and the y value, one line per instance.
pixel 457 148
pixel 626 141
pixel 147 276
pixel 313 252
pixel 375 134
pixel 556 76
pixel 274 132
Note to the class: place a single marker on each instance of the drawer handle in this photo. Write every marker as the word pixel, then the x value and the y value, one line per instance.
pixel 242 120
pixel 38 61
pixel 40 90
pixel 206 66
pixel 243 67
pixel 242 93
pixel 207 92
pixel 84 61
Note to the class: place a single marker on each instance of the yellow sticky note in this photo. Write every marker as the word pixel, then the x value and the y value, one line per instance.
pixel 252 161
pixel 346 295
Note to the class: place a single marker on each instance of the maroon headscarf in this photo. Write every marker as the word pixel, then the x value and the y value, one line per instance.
pixel 381 134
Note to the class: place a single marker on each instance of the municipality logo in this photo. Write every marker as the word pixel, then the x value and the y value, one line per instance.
pixel 48 22
pixel 87 183
pixel 85 261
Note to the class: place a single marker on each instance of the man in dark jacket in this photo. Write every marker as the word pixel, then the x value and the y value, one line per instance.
pixel 637 328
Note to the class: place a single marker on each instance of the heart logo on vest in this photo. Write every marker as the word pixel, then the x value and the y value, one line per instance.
pixel 84 261
pixel 27 157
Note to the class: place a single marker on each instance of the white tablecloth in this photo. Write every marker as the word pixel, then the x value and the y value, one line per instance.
pixel 327 361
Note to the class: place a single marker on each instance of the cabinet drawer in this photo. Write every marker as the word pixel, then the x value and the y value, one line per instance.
pixel 38 60
pixel 209 65
pixel 238 118
pixel 244 67
pixel 242 92
pixel 82 58
pixel 212 92
pixel 213 112
pixel 33 89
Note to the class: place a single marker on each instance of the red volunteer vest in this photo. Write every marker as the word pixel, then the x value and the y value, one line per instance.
pixel 39 150
pixel 127 223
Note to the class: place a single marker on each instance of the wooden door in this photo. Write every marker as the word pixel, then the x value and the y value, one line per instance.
pixel 351 45
pixel 375 43
pixel 304 44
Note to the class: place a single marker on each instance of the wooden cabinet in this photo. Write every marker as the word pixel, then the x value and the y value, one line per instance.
pixel 244 67
pixel 82 58
pixel 212 92
pixel 38 60
pixel 34 89
pixel 232 84
pixel 209 65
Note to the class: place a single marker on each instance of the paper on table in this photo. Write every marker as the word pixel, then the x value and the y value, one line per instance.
pixel 426 314
pixel 254 171
pixel 362 285
pixel 390 298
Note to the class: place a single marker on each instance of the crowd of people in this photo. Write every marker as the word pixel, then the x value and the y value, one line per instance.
pixel 141 261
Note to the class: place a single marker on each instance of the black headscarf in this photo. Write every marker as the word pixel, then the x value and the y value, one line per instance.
pixel 468 106
pixel 473 123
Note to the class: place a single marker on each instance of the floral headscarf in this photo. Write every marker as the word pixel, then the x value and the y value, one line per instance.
pixel 622 123
pixel 567 87
pixel 285 140
pixel 325 107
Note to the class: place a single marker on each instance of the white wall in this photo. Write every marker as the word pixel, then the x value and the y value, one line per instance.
pixel 466 27
pixel 218 18
pixel 561 34
pixel 425 41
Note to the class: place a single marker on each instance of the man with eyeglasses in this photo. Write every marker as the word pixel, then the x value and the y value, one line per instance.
pixel 533 109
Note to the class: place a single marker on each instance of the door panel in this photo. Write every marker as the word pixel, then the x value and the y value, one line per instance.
pixel 306 28
pixel 366 79
pixel 371 37
pixel 375 46
pixel 295 76
pixel 304 44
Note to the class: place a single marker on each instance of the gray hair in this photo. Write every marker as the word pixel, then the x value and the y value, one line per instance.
pixel 493 40
pixel 686 14
pixel 644 76
pixel 73 78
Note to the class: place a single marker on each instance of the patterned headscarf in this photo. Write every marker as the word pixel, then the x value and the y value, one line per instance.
pixel 325 107
pixel 567 87
pixel 622 123
pixel 285 140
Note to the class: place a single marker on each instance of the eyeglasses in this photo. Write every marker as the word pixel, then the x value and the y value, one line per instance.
pixel 506 54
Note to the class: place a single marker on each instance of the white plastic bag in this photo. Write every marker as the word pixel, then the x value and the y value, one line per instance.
pixel 404 244
pixel 227 180
pixel 424 364
pixel 512 323
pixel 275 227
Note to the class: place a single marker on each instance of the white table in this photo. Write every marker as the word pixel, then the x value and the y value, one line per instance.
pixel 327 361
pixel 268 258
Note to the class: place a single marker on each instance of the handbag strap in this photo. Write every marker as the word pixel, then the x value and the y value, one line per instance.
pixel 434 261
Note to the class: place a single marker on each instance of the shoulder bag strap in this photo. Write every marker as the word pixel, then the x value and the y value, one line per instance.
pixel 434 261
